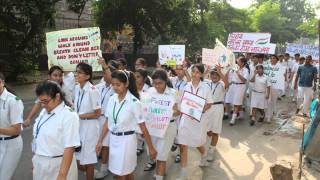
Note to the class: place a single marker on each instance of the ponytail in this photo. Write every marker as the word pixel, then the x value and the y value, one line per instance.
pixel 127 77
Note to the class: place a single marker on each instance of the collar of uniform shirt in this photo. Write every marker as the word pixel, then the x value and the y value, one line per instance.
pixel 57 109
pixel 4 94
pixel 86 87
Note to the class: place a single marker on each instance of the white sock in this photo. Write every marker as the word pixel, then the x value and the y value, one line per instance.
pixel 241 114
pixel 234 116
pixel 158 177
pixel 104 167
pixel 183 172
pixel 211 149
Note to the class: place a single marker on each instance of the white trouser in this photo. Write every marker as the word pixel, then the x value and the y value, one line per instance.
pixel 10 152
pixel 305 96
pixel 272 102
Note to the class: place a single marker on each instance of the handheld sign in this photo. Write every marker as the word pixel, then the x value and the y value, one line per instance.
pixel 276 75
pixel 171 54
pixel 192 105
pixel 67 48
pixel 158 111
pixel 303 50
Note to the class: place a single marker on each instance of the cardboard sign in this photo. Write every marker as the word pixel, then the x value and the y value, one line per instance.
pixel 192 105
pixel 251 43
pixel 303 50
pixel 67 48
pixel 171 54
pixel 276 75
pixel 158 111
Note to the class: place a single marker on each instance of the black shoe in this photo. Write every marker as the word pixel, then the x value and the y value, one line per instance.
pixel 279 99
pixel 178 159
pixel 297 111
pixel 139 152
pixel 305 115
pixel 283 96
pixel 150 166
pixel 261 119
pixel 174 147
pixel 252 122
pixel 225 117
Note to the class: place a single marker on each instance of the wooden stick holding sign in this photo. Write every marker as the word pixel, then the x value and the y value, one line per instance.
pixel 192 105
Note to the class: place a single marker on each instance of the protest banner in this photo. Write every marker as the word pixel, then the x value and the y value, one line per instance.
pixel 158 111
pixel 67 48
pixel 219 55
pixel 303 50
pixel 171 54
pixel 251 43
pixel 192 105
pixel 276 75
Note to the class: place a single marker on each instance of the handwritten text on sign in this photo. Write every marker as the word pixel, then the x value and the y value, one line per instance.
pixel 303 50
pixel 67 48
pixel 158 111
pixel 251 43
pixel 192 105
pixel 276 75
pixel 171 54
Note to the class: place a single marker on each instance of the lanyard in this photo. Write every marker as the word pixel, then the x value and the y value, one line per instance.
pixel 115 118
pixel 79 101
pixel 178 85
pixel 214 90
pixel 108 89
pixel 40 125
pixel 196 91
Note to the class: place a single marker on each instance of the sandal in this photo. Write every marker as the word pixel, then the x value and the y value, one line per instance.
pixel 178 159
pixel 174 147
pixel 150 166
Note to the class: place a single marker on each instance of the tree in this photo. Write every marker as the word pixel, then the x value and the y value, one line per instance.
pixel 77 6
pixel 23 23
pixel 309 29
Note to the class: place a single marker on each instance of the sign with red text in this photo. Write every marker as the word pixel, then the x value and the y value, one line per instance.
pixel 158 111
pixel 192 105
pixel 67 48
pixel 251 43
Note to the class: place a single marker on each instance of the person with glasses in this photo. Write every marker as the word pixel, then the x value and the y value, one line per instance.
pixel 55 136
pixel 11 112
pixel 87 104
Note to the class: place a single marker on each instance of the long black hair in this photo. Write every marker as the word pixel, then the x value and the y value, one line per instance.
pixel 53 68
pixel 51 89
pixel 3 78
pixel 200 68
pixel 87 69
pixel 144 74
pixel 124 77
pixel 162 75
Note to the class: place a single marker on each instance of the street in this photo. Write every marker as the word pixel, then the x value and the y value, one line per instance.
pixel 243 152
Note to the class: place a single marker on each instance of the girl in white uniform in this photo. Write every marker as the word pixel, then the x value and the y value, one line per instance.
pixel 259 94
pixel 191 132
pixel 55 74
pixel 218 85
pixel 88 106
pixel 237 90
pixel 55 136
pixel 163 145
pixel 106 91
pixel 122 120
pixel 11 112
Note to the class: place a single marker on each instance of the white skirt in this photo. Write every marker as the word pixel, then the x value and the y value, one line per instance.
pixel 163 145
pixel 48 168
pixel 215 118
pixel 235 94
pixel 106 140
pixel 89 136
pixel 123 154
pixel 258 100
pixel 192 132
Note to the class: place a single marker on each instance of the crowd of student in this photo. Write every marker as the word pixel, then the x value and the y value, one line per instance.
pixel 79 121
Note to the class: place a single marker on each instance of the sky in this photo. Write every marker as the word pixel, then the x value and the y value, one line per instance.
pixel 246 3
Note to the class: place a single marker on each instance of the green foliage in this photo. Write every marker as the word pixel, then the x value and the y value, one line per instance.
pixel 310 28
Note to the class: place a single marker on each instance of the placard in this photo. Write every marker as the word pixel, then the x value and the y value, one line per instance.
pixel 192 105
pixel 276 75
pixel 67 48
pixel 171 54
pixel 158 111
pixel 251 43
pixel 303 50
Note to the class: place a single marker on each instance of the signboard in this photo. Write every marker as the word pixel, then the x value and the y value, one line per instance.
pixel 67 48
pixel 192 105
pixel 276 75
pixel 251 43
pixel 158 111
pixel 219 55
pixel 303 50
pixel 171 54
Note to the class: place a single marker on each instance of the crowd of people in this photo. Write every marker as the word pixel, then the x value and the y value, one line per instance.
pixel 78 122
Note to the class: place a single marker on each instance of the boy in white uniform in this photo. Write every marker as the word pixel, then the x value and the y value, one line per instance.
pixel 11 112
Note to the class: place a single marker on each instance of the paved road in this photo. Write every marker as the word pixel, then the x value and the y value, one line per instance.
pixel 243 152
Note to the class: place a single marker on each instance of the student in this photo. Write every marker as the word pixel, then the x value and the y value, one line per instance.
pixel 122 63
pixel 163 145
pixel 55 74
pixel 191 132
pixel 88 106
pixel 218 85
pixel 122 120
pixel 260 93
pixel 294 76
pixel 141 63
pixel 11 112
pixel 55 136
pixel 237 90
pixel 106 91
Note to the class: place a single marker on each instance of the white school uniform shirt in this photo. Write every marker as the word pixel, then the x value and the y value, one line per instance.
pixel 178 84
pixel 144 89
pixel 55 131
pixel 69 83
pixel 106 91
pixel 11 110
pixel 125 118
pixel 261 83
pixel 235 78
pixel 217 90
pixel 87 99
pixel 202 90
